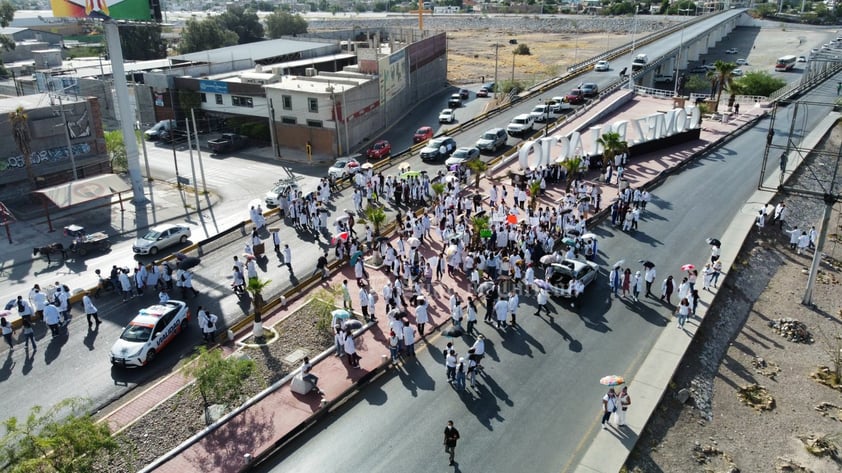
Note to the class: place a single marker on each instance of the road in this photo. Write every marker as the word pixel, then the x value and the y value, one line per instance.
pixel 84 356
pixel 539 403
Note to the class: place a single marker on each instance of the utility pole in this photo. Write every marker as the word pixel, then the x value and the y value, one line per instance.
pixel 67 137
pixel 634 34
pixel 198 151
pixel 829 200
pixel 496 86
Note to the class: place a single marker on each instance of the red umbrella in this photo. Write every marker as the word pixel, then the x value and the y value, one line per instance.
pixel 340 236
pixel 688 267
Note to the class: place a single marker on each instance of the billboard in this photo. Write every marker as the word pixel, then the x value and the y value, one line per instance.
pixel 143 10
pixel 393 75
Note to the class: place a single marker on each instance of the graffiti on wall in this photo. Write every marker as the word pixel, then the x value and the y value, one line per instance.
pixel 44 157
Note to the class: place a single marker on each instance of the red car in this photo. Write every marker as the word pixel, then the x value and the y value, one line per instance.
pixel 379 150
pixel 423 134
pixel 576 96
pixel 483 92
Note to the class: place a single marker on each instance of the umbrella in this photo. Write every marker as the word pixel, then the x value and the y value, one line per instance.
pixel 410 174
pixel 353 164
pixel 451 250
pixel 541 284
pixel 568 241
pixel 584 198
pixel 342 218
pixel 341 314
pixel 511 219
pixel 565 211
pixel 340 236
pixel 688 267
pixel 367 166
pixel 714 242
pixel 589 236
pixel 414 242
pixel 454 167
pixel 485 287
pixel 356 256
pixel 188 262
pixel 549 259
pixel 7 313
pixel 648 264
pixel 612 380
pixel 574 232
pixel 381 238
pixel 404 166
pixel 619 263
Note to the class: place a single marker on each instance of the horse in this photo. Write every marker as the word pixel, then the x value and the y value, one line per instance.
pixel 50 249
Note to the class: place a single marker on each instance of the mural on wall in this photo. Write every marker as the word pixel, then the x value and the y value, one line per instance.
pixel 45 157
pixel 392 75
pixel 80 127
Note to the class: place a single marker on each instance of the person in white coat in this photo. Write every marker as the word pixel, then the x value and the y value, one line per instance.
pixel 52 318
pixel 637 286
pixel 543 298
pixel 501 309
pixel 514 302
pixel 90 310
pixel 351 349
pixel 529 277
pixel 421 315
pixel 207 322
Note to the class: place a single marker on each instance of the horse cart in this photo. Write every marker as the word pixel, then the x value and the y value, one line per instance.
pixel 84 242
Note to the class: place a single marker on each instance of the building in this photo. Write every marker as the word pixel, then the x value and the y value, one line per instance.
pixel 29 41
pixel 52 161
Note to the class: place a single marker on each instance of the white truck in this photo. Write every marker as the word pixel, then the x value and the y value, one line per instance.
pixel 520 125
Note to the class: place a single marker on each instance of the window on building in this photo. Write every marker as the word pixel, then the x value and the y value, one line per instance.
pixel 286 102
pixel 238 101
pixel 313 105
pixel 314 123
pixel 218 99
pixel 289 120
pixel 204 97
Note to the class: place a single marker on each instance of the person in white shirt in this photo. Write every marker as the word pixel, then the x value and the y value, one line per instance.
pixel 52 318
pixel 408 338
pixel 421 315
pixel 207 322
pixel 543 298
pixel 501 309
pixel 371 299
pixel 39 301
pixel 514 302
pixel 24 309
pixel 450 365
pixel 803 243
pixel 163 297
pixel 90 310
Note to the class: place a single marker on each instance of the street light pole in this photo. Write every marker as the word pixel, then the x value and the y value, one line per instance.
pixel 513 68
pixel 496 49
pixel 634 34
pixel 678 57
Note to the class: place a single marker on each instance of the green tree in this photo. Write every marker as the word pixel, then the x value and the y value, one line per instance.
pixel 612 145
pixel 199 35
pixel 380 6
pixel 374 215
pixel 765 10
pixel 724 74
pixel 571 165
pixel 54 441
pixel 218 378
pixel 478 224
pixel 477 166
pixel 522 49
pixel 759 83
pixel 281 23
pixel 142 42
pixel 438 189
pixel 115 146
pixel 255 287
pixel 7 14
pixel 23 140
pixel 244 23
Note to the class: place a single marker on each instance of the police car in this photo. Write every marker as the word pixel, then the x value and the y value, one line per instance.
pixel 149 332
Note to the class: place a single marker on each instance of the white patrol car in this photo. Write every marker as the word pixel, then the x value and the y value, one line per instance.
pixel 152 329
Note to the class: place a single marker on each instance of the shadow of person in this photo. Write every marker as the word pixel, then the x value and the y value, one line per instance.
pixel 90 337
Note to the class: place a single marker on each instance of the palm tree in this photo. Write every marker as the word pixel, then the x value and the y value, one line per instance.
pixel 534 190
pixel 477 166
pixel 374 215
pixel 23 139
pixel 612 145
pixel 724 73
pixel 255 287
pixel 478 224
pixel 438 189
pixel 571 165
pixel 733 89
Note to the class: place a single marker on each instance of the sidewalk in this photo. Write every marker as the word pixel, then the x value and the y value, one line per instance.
pixel 286 412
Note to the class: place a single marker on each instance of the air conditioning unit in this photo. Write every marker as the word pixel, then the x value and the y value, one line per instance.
pixel 311 72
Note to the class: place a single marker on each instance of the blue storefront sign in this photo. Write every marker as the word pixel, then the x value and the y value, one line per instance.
pixel 213 86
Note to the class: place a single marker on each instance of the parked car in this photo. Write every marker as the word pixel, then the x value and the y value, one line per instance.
pixel 422 134
pixel 279 191
pixel 343 167
pixel 602 66
pixel 801 59
pixel 464 94
pixel 542 113
pixel 152 329
pixel 159 130
pixel 462 155
pixel 560 105
pixel 590 89
pixel 520 125
pixel 744 62
pixel 227 143
pixel 455 101
pixel 575 97
pixel 731 51
pixel 567 271
pixel 447 116
pixel 737 72
pixel 698 69
pixel 160 237
pixel 664 79
pixel 492 140
pixel 379 150
pixel 482 92
pixel 438 149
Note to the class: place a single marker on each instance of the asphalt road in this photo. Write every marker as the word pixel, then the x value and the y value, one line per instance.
pixel 539 403
pixel 79 365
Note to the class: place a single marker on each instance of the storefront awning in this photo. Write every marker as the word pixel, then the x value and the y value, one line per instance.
pixel 85 190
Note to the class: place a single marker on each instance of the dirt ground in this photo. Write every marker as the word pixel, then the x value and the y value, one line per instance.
pixel 471 54
pixel 714 431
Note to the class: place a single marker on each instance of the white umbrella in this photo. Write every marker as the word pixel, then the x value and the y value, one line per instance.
pixel 367 166
pixel 619 263
pixel 451 250
pixel 589 236
pixel 404 166
pixel 413 242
